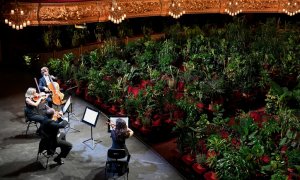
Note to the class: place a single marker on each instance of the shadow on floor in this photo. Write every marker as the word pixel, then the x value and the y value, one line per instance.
pixel 32 167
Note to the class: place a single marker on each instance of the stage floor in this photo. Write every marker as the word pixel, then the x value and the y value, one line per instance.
pixel 18 151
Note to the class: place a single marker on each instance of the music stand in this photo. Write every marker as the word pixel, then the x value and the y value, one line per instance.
pixel 90 118
pixel 66 109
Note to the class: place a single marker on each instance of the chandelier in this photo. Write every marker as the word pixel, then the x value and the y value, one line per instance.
pixel 116 14
pixel 175 10
pixel 17 18
pixel 291 7
pixel 233 7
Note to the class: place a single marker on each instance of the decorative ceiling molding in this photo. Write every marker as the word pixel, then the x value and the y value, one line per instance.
pixel 98 11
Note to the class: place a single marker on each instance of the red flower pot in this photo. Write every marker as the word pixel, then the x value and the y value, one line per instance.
pixel 265 159
pixel 198 168
pixel 179 95
pixel 255 116
pixel 211 153
pixel 231 121
pixel 283 149
pixel 156 123
pixel 98 102
pixel 224 134
pixel 210 176
pixel 78 91
pixel 137 124
pixel 180 86
pixel 144 83
pixel 135 91
pixel 211 107
pixel 122 111
pixel 145 130
pixel 200 105
pixel 188 159
pixel 113 109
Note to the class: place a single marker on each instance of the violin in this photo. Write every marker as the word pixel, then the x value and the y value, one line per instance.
pixel 38 96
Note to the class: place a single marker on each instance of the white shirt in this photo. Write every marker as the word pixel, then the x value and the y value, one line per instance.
pixel 47 79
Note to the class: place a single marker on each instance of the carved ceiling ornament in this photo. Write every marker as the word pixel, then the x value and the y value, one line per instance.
pixel 200 5
pixel 98 11
pixel 136 8
pixel 290 7
pixel 68 12
pixel 261 5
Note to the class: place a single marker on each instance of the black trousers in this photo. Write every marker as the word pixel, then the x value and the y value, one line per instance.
pixel 64 145
pixel 36 118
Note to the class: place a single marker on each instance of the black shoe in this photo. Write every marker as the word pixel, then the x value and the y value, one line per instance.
pixel 58 160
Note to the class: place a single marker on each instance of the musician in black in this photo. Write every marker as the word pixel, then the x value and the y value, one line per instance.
pixel 32 102
pixel 44 81
pixel 119 134
pixel 50 131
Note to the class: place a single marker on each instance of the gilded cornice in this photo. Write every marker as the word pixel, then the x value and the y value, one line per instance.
pixel 71 13
pixel 98 11
pixel 141 8
pixel 201 6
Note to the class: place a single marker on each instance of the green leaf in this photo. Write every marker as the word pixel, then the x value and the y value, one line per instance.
pixel 282 141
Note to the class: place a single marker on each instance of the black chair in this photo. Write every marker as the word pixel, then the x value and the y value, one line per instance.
pixel 117 163
pixel 29 123
pixel 45 149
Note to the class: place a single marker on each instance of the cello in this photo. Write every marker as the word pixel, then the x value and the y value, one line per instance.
pixel 57 96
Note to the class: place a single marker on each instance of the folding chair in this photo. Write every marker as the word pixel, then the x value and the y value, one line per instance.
pixel 117 164
pixel 29 123
pixel 45 149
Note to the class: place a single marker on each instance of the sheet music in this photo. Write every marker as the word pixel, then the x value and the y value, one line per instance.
pixel 90 116
pixel 66 106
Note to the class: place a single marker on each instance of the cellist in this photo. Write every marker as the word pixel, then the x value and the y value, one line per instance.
pixel 43 83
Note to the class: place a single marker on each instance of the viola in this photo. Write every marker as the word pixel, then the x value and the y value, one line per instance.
pixel 57 115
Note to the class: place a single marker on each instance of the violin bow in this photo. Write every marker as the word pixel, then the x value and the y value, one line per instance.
pixel 37 85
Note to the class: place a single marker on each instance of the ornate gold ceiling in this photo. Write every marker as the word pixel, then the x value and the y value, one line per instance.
pixel 98 11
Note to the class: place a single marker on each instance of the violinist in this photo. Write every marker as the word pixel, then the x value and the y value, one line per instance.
pixel 50 131
pixel 43 83
pixel 119 134
pixel 32 102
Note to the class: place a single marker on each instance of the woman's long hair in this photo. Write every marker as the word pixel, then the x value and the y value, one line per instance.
pixel 30 92
pixel 121 130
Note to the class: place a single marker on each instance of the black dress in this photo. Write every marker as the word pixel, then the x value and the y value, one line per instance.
pixel 32 113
